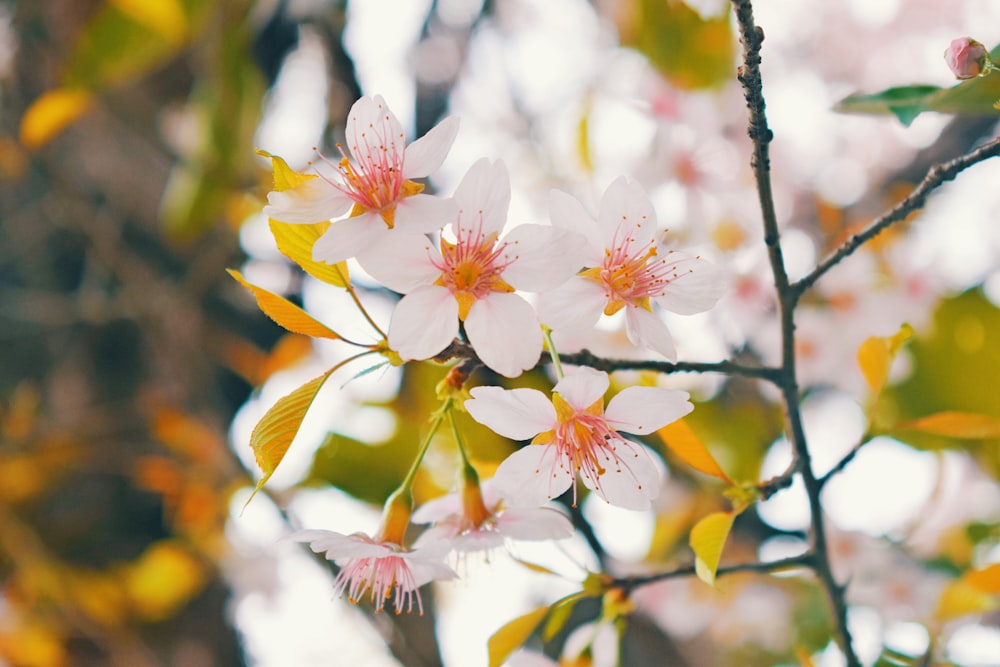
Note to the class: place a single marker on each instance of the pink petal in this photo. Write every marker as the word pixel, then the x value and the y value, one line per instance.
pixel 347 238
pixel 424 213
pixel 583 386
pixel 698 286
pixel 546 257
pixel 517 414
pixel 370 123
pixel 642 410
pixel 426 154
pixel 646 329
pixel 626 212
pixel 402 262
pixel 313 201
pixel 504 332
pixel 630 483
pixel 534 523
pixel 532 476
pixel 424 323
pixel 338 547
pixel 483 197
pixel 576 304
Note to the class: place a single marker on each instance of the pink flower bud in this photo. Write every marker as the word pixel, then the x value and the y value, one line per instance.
pixel 967 58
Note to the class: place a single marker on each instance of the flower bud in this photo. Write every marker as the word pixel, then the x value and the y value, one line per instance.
pixel 967 58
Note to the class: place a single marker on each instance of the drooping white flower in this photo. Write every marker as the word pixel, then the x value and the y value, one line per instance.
pixel 372 182
pixel 476 518
pixel 574 434
pixel 472 278
pixel 626 268
pixel 379 568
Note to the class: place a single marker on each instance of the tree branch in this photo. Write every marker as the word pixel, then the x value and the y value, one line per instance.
pixel 629 584
pixel 937 176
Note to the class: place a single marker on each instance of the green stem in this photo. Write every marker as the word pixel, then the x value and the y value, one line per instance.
pixel 424 445
pixel 354 296
pixel 550 346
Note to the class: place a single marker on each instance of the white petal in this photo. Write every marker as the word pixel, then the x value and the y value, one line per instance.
pixel 531 476
pixel 646 329
pixel 630 483
pixel 372 126
pixel 698 286
pixel 427 567
pixel 517 414
pixel 347 238
pixel 566 212
pixel 583 386
pixel 426 154
pixel 438 508
pixel 642 410
pixel 402 262
pixel 424 213
pixel 543 257
pixel 534 523
pixel 338 547
pixel 483 197
pixel 313 201
pixel 626 212
pixel 576 304
pixel 504 332
pixel 424 323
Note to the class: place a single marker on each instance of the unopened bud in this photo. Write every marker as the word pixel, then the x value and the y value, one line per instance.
pixel 967 58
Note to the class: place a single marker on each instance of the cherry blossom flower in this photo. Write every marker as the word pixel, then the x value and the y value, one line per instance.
pixel 472 278
pixel 373 185
pixel 967 58
pixel 380 568
pixel 627 269
pixel 573 433
pixel 478 519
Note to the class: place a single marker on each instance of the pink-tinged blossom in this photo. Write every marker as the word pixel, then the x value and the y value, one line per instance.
pixel 574 434
pixel 379 569
pixel 372 183
pixel 472 278
pixel 478 519
pixel 627 269
pixel 967 58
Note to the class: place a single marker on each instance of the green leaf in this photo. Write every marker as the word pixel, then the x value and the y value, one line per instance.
pixel 708 537
pixel 692 52
pixel 511 636
pixel 904 102
pixel 274 433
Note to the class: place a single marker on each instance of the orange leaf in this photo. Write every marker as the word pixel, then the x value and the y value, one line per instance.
pixel 708 537
pixel 274 433
pixel 688 447
pixel 51 113
pixel 284 312
pixel 964 425
pixel 875 357
pixel 986 580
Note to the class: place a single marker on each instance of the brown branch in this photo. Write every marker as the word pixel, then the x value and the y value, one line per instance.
pixel 937 176
pixel 749 75
pixel 629 584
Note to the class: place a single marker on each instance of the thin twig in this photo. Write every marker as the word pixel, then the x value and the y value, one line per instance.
pixel 631 583
pixel 936 176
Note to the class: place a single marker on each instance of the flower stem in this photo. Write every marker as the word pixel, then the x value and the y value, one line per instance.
pixel 439 415
pixel 550 346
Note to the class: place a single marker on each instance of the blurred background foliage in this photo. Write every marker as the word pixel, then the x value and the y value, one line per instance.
pixel 127 168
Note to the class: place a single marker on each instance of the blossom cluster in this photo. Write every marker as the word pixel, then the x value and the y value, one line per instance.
pixel 463 272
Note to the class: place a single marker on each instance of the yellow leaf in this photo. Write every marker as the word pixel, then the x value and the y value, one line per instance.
pixel 165 17
pixel 688 447
pixel 277 428
pixel 163 578
pixel 32 641
pixel 561 611
pixel 296 242
pixel 511 636
pixel 965 425
pixel 708 537
pixel 875 357
pixel 51 113
pixel 583 138
pixel 960 598
pixel 284 312
pixel 285 178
